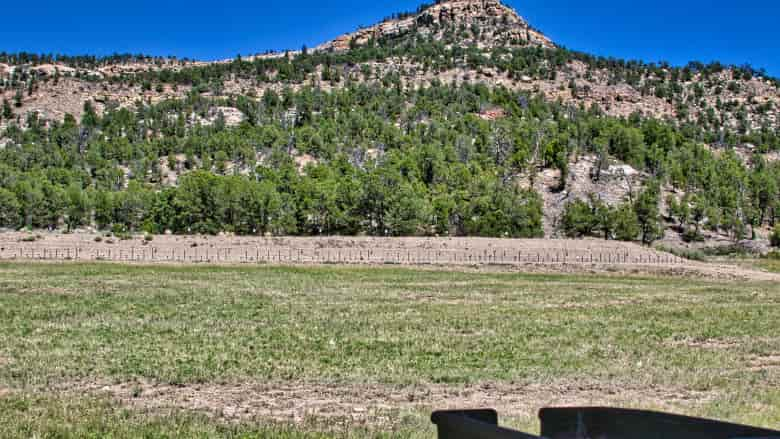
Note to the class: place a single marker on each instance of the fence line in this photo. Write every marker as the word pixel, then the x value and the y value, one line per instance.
pixel 345 256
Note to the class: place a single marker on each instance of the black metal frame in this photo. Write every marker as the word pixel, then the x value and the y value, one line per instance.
pixel 467 424
pixel 594 423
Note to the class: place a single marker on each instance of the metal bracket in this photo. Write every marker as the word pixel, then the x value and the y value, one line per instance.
pixel 473 424
pixel 611 423
pixel 594 423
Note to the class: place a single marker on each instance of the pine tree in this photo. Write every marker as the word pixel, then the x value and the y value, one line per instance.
pixel 18 98
pixel 9 209
pixel 78 207
pixel 90 118
pixel 626 226
pixel 8 112
pixel 578 219
pixel 647 214
pixel 775 238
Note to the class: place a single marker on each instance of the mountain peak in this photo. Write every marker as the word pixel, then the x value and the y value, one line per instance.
pixel 496 24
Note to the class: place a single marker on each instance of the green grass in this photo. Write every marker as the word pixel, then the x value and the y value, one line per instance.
pixel 389 326
pixel 685 253
pixel 769 264
pixel 36 416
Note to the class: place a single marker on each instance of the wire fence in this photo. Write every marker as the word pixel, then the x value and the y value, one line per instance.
pixel 345 256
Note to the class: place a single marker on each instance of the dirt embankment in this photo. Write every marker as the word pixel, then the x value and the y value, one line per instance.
pixel 531 255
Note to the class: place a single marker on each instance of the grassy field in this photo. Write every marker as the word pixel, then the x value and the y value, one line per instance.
pixel 768 264
pixel 772 265
pixel 109 350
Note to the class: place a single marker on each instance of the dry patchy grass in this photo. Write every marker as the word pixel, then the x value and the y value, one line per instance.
pixel 214 351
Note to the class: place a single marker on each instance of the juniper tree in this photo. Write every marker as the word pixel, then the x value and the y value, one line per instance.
pixel 647 214
pixel 9 209
pixel 7 112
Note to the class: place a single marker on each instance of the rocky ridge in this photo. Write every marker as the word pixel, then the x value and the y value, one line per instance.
pixel 515 29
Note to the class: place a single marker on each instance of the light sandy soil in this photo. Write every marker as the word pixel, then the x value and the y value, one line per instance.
pixel 528 255
pixel 379 404
pixel 766 362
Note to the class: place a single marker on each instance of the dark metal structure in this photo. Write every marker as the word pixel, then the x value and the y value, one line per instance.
pixel 594 423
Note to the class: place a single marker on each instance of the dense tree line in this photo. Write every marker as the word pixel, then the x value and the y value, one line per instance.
pixel 76 173
pixel 388 160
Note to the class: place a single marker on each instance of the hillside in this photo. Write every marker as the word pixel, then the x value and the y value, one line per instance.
pixel 457 119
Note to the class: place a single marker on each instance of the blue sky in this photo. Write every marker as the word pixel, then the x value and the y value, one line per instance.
pixel 676 31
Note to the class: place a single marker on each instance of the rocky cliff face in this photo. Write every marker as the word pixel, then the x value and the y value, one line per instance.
pixel 502 24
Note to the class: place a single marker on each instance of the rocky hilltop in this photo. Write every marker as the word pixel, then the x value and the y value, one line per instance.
pixel 504 26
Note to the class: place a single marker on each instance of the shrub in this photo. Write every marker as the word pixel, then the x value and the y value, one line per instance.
pixel 625 223
pixel 775 238
pixel 9 209
pixel 726 250
pixel 120 232
pixel 685 253
pixel 692 235
pixel 578 219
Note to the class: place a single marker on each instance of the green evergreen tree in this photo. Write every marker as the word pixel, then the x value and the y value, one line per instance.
pixel 408 212
pixel 9 209
pixel 603 216
pixel 626 225
pixel 647 214
pixel 8 112
pixel 18 98
pixel 774 238
pixel 578 219
pixel 90 118
pixel 103 206
pixel 77 207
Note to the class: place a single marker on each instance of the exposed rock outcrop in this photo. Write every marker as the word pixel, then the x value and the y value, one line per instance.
pixel 451 13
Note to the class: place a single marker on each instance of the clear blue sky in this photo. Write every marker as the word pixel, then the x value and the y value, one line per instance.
pixel 676 31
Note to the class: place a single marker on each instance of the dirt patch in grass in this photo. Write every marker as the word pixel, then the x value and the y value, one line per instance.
pixel 711 343
pixel 765 362
pixel 379 404
pixel 691 269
